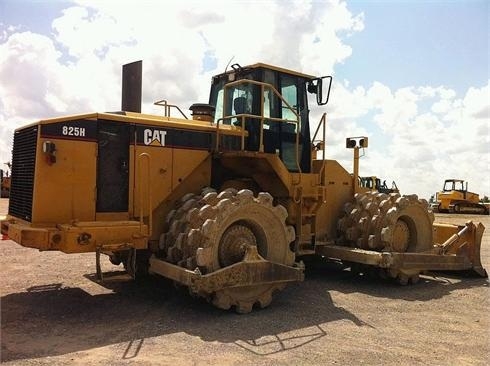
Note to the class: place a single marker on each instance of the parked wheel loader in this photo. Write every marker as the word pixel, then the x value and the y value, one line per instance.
pixel 227 203
pixel 455 198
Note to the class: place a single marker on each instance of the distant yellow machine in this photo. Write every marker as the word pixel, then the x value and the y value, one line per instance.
pixel 455 198
pixel 374 184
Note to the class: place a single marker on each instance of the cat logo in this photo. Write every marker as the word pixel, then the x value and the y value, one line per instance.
pixel 154 137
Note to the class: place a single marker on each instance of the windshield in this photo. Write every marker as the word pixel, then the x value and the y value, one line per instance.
pixel 244 97
pixel 453 186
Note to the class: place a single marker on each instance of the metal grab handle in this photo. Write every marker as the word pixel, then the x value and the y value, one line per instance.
pixel 147 157
pixel 323 125
pixel 167 107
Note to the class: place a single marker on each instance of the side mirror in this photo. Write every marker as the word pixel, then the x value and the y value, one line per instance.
pixel 321 87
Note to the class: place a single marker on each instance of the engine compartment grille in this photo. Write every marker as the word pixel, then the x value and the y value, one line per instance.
pixel 23 165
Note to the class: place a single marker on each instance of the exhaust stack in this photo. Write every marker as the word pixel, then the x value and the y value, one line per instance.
pixel 131 87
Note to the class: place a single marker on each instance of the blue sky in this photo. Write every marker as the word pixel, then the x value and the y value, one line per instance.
pixel 411 75
pixel 420 42
pixel 35 15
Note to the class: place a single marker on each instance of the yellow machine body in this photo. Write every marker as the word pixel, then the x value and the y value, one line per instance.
pixel 227 203
pixel 64 214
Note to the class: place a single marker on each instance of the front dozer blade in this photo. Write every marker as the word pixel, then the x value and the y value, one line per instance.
pixel 455 248
pixel 461 241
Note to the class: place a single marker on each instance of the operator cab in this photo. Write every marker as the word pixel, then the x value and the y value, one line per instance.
pixel 454 185
pixel 243 97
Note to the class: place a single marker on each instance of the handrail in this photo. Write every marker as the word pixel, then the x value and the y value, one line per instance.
pixel 148 181
pixel 263 86
pixel 163 103
pixel 323 123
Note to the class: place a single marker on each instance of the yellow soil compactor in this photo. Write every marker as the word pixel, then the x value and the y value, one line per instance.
pixel 226 203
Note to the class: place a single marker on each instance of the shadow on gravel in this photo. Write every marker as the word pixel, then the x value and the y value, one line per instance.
pixel 433 285
pixel 65 320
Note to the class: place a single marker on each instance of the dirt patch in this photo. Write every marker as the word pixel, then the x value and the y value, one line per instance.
pixel 53 312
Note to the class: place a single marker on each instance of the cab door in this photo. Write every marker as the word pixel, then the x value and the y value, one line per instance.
pixel 281 136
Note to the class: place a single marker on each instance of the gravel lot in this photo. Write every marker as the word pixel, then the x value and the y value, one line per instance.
pixel 54 313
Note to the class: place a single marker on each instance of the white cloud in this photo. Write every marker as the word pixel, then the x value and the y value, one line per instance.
pixel 477 102
pixel 23 78
pixel 77 67
pixel 419 135
pixel 423 145
pixel 85 32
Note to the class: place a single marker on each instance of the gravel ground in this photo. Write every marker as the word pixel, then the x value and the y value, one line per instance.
pixel 54 313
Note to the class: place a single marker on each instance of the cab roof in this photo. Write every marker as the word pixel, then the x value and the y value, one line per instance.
pixel 270 67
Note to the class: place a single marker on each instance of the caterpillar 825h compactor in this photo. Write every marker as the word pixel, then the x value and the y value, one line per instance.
pixel 227 203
